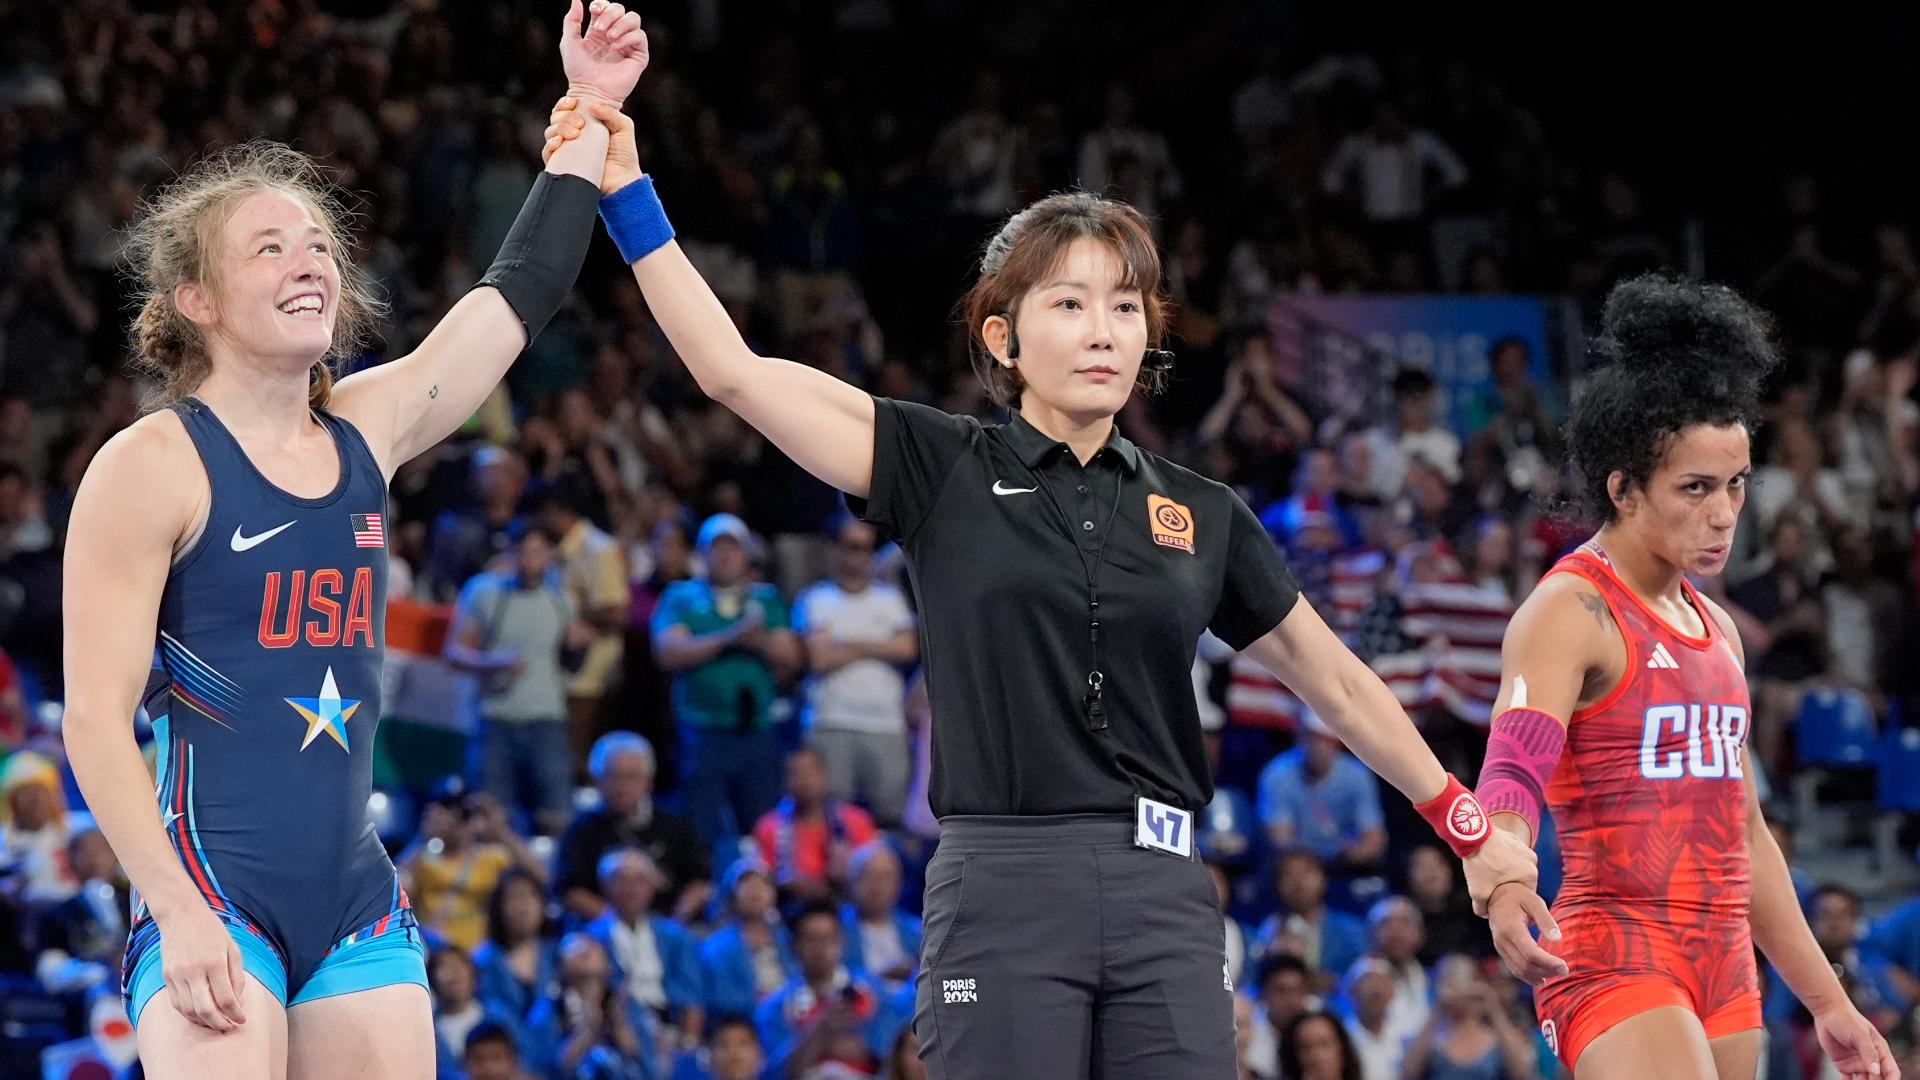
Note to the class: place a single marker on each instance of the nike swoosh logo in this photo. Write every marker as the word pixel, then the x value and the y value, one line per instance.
pixel 1000 488
pixel 242 543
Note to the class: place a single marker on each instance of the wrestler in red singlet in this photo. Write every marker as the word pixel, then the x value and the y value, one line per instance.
pixel 1651 807
pixel 1623 711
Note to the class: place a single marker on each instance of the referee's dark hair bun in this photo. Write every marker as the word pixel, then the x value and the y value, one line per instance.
pixel 1665 325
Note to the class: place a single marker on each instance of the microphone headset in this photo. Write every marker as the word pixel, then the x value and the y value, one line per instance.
pixel 1157 361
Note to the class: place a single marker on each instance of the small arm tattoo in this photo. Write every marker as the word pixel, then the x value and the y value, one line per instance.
pixel 433 391
pixel 1597 608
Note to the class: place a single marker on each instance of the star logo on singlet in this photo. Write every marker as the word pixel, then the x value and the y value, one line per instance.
pixel 325 713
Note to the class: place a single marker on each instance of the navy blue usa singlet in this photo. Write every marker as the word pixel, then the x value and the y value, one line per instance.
pixel 271 637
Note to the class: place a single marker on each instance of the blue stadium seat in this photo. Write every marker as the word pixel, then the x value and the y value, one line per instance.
pixel 1835 728
pixel 1900 770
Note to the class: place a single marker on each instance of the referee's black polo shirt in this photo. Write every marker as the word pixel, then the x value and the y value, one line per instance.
pixel 1003 608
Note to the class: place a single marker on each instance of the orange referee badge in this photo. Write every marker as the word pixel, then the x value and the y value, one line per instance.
pixel 1172 523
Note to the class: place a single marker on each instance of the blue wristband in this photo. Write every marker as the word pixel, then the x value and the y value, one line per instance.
pixel 636 220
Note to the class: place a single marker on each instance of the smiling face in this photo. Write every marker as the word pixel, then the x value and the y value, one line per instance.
pixel 1082 333
pixel 273 285
pixel 1687 510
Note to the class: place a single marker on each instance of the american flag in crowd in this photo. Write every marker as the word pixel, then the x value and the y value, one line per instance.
pixel 1434 643
pixel 1254 697
pixel 368 532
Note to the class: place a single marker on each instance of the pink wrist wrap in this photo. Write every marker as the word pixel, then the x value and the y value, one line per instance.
pixel 1523 750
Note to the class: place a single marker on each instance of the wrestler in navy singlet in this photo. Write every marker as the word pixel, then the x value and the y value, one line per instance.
pixel 271 637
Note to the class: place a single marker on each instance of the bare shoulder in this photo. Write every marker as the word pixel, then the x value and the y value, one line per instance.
pixel 1565 604
pixel 1565 619
pixel 1564 641
pixel 1727 626
pixel 153 465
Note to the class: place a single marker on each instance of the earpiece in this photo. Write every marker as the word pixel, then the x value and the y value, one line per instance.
pixel 1158 361
pixel 1013 339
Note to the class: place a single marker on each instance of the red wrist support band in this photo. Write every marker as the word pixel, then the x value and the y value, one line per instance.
pixel 1523 750
pixel 1458 817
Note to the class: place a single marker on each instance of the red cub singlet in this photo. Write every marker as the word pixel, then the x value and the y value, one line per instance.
pixel 1651 806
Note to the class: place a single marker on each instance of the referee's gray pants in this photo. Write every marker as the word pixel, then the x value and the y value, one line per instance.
pixel 1056 949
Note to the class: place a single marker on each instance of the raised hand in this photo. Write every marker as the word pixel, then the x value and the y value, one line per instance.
pixel 623 156
pixel 606 61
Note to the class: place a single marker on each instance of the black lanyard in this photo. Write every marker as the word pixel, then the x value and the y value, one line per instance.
pixel 1092 704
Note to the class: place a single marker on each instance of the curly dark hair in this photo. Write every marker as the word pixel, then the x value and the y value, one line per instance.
pixel 1674 354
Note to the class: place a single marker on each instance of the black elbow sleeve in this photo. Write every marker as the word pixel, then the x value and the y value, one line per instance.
pixel 544 250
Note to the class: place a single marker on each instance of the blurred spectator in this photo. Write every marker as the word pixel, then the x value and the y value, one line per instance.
pixel 1314 1046
pixel 521 956
pixel 811 233
pixel 1124 159
pixel 1784 630
pixel 450 871
pixel 23 515
pixel 809 838
pixel 512 630
pixel 1368 991
pixel 973 157
pixel 1327 941
pixel 882 941
pixel 594 574
pixel 1319 798
pixel 1398 936
pixel 825 1013
pixel 655 960
pixel 466 541
pixel 1863 615
pixel 749 956
pixel 589 1029
pixel 1445 912
pixel 1315 503
pixel 1469 1035
pixel 1411 434
pixel 622 765
pixel 457 1009
pixel 1283 986
pixel 1799 483
pixel 46 317
pixel 1895 937
pixel 1875 422
pixel 732 1052
pixel 81 939
pixel 1515 412
pixel 1257 422
pixel 34 825
pixel 492 1054
pixel 1392 170
pixel 859 634
pixel 1869 977
pixel 727 641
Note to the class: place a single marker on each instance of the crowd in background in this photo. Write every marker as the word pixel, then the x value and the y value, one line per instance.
pixel 689 839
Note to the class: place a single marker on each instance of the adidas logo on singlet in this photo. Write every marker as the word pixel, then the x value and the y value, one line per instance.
pixel 1662 658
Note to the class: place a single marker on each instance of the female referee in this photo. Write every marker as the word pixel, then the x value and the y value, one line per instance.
pixel 1064 577
pixel 239 533
pixel 1624 708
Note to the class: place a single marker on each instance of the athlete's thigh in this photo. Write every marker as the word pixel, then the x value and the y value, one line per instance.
pixel 1667 1042
pixel 1737 1056
pixel 172 1046
pixel 381 1034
